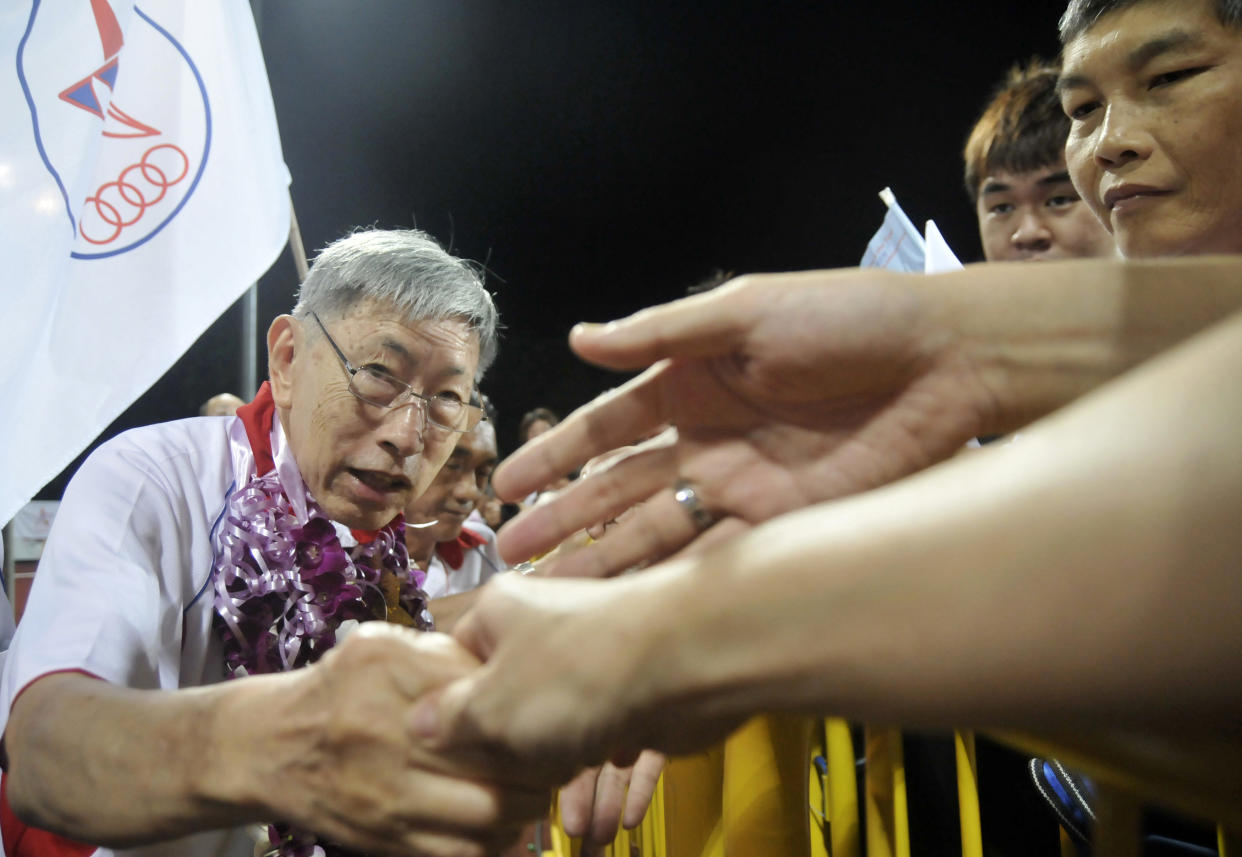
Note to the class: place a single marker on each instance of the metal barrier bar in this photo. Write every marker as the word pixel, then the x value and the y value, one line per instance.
pixel 968 794
pixel 888 825
pixel 842 784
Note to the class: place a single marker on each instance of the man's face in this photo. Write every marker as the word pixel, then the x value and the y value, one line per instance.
pixel 1036 216
pixel 363 463
pixel 1153 93
pixel 458 486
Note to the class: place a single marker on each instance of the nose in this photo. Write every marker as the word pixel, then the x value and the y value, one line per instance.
pixel 466 492
pixel 401 431
pixel 1030 232
pixel 1121 138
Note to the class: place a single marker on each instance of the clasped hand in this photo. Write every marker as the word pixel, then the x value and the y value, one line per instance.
pixel 373 784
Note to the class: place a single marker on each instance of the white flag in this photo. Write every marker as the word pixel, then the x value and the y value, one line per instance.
pixel 939 255
pixel 142 190
pixel 896 245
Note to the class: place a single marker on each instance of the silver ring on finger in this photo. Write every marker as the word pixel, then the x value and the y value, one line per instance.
pixel 687 498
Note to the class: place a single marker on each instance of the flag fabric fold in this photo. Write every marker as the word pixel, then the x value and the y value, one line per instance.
pixel 939 256
pixel 142 190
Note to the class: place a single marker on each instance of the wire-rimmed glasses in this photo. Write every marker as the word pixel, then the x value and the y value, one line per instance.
pixel 376 387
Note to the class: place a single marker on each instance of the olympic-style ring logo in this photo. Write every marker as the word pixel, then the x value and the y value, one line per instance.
pixel 120 204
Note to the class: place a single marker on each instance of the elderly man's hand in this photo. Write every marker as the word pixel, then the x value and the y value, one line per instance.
pixel 348 769
pixel 784 390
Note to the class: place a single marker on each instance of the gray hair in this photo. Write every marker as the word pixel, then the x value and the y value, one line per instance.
pixel 1082 15
pixel 408 270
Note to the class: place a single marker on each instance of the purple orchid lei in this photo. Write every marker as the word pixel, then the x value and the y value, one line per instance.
pixel 283 588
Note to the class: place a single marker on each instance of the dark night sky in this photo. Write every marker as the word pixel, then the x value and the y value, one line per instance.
pixel 601 156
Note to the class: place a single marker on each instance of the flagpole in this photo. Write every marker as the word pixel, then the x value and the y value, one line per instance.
pixel 295 243
pixel 250 307
pixel 249 383
pixel 250 345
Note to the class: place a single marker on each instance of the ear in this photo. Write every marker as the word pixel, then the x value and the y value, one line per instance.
pixel 283 342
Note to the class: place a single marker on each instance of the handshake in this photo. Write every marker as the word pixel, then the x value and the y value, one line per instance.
pixel 431 743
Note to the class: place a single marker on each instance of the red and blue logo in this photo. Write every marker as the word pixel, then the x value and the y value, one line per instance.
pixel 121 121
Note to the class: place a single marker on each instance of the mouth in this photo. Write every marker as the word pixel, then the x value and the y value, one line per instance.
pixel 1127 195
pixel 379 485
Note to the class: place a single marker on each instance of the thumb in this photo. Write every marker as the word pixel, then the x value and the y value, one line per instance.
pixel 473 633
pixel 436 721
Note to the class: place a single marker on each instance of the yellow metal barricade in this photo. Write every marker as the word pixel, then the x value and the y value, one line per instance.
pixel 693 791
pixel 834 793
pixel 1228 844
pixel 765 787
pixel 968 794
pixel 888 826
pixel 747 798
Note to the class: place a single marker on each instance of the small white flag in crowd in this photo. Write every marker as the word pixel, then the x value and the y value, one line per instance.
pixel 142 190
pixel 898 246
pixel 939 256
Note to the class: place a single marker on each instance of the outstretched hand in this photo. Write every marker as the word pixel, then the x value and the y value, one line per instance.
pixel 785 390
pixel 557 693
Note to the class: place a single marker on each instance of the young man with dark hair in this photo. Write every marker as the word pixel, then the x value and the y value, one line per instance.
pixel 1016 176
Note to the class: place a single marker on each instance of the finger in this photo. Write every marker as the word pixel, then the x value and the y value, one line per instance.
pixel 437 721
pixel 473 633
pixel 577 802
pixel 616 418
pixel 644 778
pixel 718 533
pixel 476 629
pixel 610 789
pixel 654 531
pixel 410 661
pixel 434 809
pixel 599 497
pixel 470 807
pixel 703 325
pixel 424 844
pixel 427 844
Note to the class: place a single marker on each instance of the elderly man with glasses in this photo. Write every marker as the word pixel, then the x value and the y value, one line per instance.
pixel 218 548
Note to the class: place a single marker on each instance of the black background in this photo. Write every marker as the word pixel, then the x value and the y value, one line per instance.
pixel 599 157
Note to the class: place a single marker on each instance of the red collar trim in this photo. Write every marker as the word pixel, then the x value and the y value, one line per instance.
pixel 257 418
pixel 454 553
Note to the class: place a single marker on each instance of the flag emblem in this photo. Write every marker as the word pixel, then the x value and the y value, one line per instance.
pixel 99 94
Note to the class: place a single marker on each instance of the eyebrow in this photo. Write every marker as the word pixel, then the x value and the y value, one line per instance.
pixel 1059 177
pixel 1168 42
pixel 405 354
pixel 401 350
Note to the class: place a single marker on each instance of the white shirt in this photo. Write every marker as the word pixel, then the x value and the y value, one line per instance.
pixel 123 591
pixel 477 567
